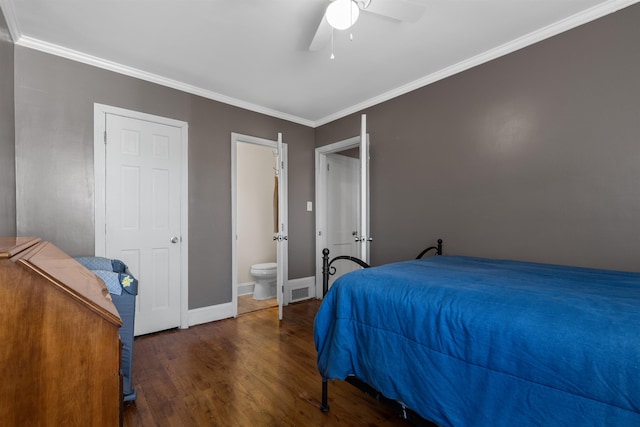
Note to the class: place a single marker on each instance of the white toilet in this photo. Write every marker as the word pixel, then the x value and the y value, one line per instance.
pixel 265 275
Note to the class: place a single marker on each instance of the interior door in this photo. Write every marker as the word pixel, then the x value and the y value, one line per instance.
pixel 343 210
pixel 143 226
pixel 324 189
pixel 365 238
pixel 281 236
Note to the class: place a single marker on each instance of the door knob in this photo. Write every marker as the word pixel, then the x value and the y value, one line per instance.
pixel 175 239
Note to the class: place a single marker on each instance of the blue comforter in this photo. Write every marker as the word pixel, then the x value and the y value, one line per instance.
pixel 477 342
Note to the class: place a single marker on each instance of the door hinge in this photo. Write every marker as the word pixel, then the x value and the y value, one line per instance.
pixel 327 167
pixel 105 136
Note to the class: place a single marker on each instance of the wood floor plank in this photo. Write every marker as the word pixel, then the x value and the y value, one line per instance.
pixel 249 371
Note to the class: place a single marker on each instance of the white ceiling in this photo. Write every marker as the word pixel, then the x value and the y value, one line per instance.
pixel 253 53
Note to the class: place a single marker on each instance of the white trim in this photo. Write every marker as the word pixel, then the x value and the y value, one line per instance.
pixel 235 138
pixel 245 288
pixel 282 246
pixel 184 226
pixel 99 165
pixel 99 171
pixel 9 12
pixel 211 313
pixel 84 58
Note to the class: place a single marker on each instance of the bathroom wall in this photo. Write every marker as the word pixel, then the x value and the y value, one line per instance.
pixel 255 208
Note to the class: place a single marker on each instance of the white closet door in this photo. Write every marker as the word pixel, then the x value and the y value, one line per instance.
pixel 143 202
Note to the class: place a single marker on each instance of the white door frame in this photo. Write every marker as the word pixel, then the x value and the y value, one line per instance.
pixel 282 230
pixel 283 179
pixel 99 164
pixel 321 202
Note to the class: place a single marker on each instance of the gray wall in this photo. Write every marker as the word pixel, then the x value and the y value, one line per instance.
pixel 54 162
pixel 7 134
pixel 532 156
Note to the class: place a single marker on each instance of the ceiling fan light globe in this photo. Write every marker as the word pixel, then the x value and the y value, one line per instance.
pixel 342 14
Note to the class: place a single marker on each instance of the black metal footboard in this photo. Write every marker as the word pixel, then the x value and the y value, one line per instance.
pixel 404 412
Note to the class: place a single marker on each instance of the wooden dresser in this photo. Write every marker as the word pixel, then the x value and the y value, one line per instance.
pixel 59 343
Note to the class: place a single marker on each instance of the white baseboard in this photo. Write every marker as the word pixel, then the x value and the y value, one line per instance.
pixel 211 313
pixel 246 288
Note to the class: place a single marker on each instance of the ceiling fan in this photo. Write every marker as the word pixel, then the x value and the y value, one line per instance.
pixel 342 14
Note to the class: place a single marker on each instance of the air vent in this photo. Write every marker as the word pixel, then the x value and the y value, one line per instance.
pixel 300 293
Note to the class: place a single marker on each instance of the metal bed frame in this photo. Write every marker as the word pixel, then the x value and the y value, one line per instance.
pixel 408 414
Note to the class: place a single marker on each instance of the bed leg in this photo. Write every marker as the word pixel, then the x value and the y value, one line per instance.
pixel 325 271
pixel 324 406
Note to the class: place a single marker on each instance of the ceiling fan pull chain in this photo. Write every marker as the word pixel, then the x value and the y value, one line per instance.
pixel 332 55
pixel 351 19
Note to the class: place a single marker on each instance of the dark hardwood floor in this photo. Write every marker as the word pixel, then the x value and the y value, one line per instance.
pixel 249 371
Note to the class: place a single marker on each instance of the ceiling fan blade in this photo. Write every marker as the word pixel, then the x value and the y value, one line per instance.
pixel 323 35
pixel 401 10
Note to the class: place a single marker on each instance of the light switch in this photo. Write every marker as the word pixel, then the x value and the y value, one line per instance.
pixel 309 206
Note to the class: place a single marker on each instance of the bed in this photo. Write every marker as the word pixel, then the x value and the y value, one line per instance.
pixel 464 341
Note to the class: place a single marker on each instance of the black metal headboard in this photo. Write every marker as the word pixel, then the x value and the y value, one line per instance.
pixel 329 270
pixel 437 248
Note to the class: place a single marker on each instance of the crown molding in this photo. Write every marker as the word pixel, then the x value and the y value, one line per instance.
pixel 556 28
pixel 7 9
pixel 95 61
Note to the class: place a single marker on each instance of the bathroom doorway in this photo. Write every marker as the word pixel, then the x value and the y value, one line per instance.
pixel 259 229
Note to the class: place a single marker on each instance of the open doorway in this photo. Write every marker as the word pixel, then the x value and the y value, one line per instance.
pixel 259 262
pixel 256 216
pixel 339 205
